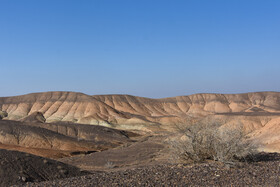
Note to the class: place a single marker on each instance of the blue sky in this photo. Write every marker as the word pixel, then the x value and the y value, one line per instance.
pixel 150 48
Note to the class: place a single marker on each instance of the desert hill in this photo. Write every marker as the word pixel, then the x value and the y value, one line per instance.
pixel 254 110
pixel 58 140
pixel 109 110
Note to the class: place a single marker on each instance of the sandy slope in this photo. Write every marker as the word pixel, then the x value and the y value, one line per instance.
pixel 58 140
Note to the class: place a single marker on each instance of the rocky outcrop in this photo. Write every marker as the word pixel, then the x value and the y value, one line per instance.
pixel 34 117
pixel 3 114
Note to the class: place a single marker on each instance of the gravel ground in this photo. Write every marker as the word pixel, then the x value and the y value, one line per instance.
pixel 262 173
pixel 19 168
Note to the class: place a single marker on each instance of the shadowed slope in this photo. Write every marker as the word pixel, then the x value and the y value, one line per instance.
pixel 54 140
pixel 19 168
pixel 34 117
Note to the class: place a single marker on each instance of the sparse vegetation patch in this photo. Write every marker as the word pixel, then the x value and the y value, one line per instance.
pixel 205 140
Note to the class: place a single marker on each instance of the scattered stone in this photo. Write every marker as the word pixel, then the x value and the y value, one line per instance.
pixel 261 173
pixel 18 168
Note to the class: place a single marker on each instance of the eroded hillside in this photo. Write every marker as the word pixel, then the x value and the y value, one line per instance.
pixel 126 109
pixel 254 110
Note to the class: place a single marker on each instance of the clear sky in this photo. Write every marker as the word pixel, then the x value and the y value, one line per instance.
pixel 150 48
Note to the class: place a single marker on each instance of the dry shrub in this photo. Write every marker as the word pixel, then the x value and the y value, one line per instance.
pixel 109 165
pixel 210 140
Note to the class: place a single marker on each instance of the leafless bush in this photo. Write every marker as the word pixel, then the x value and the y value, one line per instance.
pixel 210 140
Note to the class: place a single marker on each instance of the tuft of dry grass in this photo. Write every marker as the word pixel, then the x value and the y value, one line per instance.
pixel 109 165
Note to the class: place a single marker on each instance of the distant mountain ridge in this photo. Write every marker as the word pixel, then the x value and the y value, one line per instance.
pixel 110 110
pixel 259 111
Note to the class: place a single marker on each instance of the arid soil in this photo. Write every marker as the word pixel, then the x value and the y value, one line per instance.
pixel 146 162
pixel 265 172
pixel 144 151
pixel 19 168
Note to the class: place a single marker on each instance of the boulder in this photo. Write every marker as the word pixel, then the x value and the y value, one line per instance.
pixel 3 114
pixel 34 117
